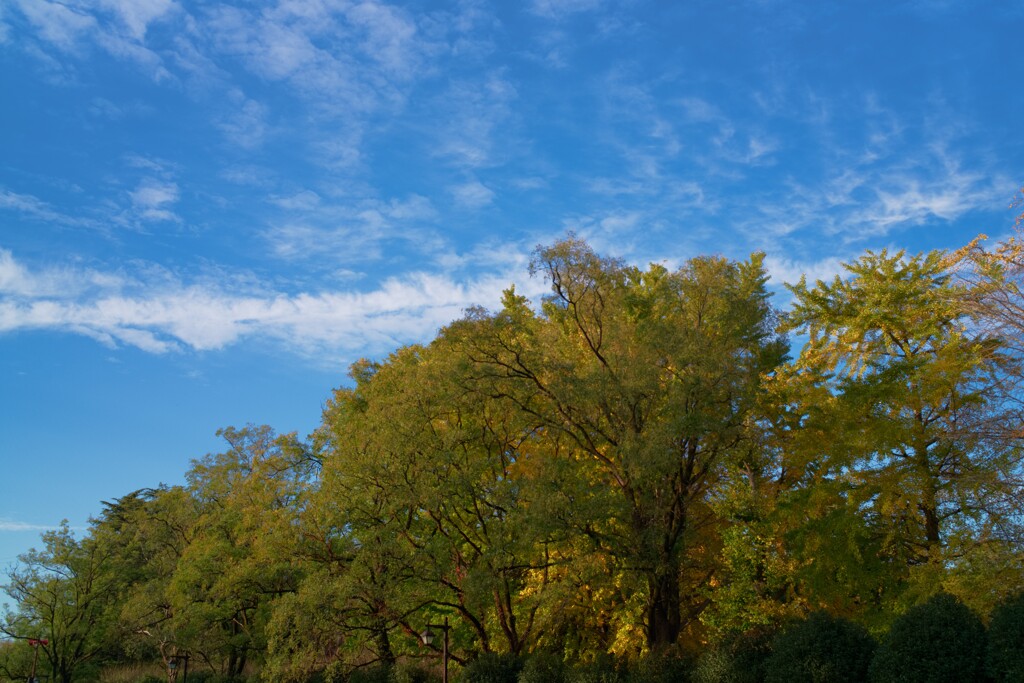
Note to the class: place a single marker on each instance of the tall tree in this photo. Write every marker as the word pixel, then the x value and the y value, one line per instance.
pixel 914 418
pixel 147 532
pixel 651 376
pixel 427 483
pixel 238 559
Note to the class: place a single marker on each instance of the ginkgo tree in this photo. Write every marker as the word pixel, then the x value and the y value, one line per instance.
pixel 649 378
pixel 917 422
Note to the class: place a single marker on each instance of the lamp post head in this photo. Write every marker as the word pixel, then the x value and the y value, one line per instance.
pixel 427 636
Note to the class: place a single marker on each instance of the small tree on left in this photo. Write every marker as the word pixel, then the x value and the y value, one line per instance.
pixel 61 594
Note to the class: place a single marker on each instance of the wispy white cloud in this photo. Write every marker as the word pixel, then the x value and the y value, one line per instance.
pixel 249 174
pixel 5 28
pixel 17 280
pixel 349 231
pixel 246 125
pixel 477 121
pixel 473 195
pixel 116 26
pixel 137 15
pixel 59 24
pixel 152 198
pixel 870 192
pixel 559 9
pixel 305 200
pixel 7 524
pixel 785 270
pixel 174 316
pixel 35 208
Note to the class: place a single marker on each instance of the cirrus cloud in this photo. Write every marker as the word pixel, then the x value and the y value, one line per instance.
pixel 167 314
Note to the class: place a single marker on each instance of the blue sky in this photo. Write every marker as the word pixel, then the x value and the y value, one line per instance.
pixel 208 210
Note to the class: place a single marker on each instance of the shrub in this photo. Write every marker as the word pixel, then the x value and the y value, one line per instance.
pixel 373 674
pixel 938 642
pixel 602 670
pixel 414 673
pixel 820 649
pixel 543 667
pixel 740 660
pixel 655 669
pixel 492 668
pixel 1005 660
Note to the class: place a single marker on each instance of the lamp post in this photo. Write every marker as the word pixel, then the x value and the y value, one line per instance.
pixel 35 643
pixel 172 664
pixel 428 638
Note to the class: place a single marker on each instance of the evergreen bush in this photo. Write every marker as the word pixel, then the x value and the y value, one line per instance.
pixel 941 641
pixel 602 670
pixel 1005 660
pixel 820 649
pixel 378 673
pixel 491 667
pixel 415 673
pixel 543 667
pixel 739 660
pixel 658 669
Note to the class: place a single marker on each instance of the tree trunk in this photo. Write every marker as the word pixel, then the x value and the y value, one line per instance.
pixel 383 643
pixel 663 617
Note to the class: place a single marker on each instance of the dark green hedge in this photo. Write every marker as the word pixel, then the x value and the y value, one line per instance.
pixel 941 641
pixel 820 649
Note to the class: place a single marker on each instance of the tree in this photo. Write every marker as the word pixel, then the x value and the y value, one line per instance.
pixel 147 532
pixel 423 496
pixel 61 594
pixel 916 430
pixel 648 379
pixel 238 559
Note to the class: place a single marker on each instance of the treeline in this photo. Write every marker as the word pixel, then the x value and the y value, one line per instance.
pixel 633 470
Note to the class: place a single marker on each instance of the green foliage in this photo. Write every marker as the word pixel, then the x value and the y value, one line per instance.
pixel 543 667
pixel 645 382
pixel 371 674
pixel 628 469
pixel 492 667
pixel 917 440
pixel 1005 656
pixel 655 668
pixel 820 649
pixel 603 669
pixel 740 659
pixel 941 641
pixel 63 593
pixel 414 673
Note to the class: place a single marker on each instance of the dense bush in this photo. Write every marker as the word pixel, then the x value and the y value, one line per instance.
pixel 414 673
pixel 820 649
pixel 543 667
pixel 938 642
pixel 740 660
pixel 603 670
pixel 206 676
pixel 373 674
pixel 1005 661
pixel 652 669
pixel 492 668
